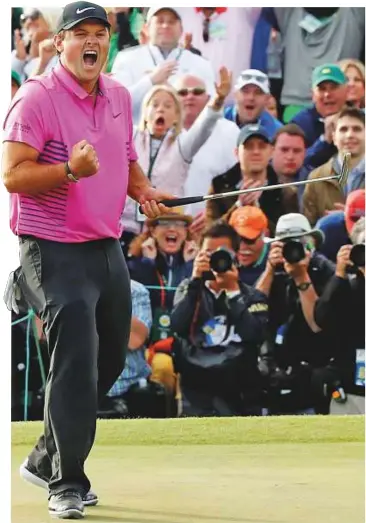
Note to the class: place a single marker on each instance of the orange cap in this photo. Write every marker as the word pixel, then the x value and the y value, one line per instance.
pixel 355 208
pixel 249 222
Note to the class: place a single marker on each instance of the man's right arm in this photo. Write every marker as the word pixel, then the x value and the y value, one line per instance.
pixel 22 173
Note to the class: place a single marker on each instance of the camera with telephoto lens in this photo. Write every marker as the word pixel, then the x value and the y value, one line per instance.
pixel 293 250
pixel 222 260
pixel 357 255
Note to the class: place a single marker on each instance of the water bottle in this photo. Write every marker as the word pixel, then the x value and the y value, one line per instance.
pixel 274 56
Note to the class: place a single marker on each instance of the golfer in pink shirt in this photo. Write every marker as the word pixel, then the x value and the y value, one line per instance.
pixel 69 163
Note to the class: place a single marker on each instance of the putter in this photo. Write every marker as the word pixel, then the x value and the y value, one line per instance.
pixel 341 178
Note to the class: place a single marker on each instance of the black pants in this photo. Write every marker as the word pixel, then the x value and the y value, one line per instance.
pixel 82 294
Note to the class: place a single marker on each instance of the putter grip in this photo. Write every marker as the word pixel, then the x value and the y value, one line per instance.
pixel 178 202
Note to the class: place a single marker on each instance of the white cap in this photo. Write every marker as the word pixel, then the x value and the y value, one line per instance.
pixel 253 77
pixel 294 225
pixel 154 10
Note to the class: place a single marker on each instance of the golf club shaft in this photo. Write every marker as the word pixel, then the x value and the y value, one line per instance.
pixel 341 178
pixel 178 202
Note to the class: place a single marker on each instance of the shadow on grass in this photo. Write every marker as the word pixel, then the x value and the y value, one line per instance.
pixel 144 516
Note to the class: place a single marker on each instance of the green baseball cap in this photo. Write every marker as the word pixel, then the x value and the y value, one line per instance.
pixel 15 76
pixel 330 73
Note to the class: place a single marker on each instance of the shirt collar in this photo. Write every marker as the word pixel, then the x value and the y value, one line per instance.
pixel 216 294
pixel 158 56
pixel 70 82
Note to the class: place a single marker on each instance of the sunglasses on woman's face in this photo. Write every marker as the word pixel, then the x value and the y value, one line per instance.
pixel 196 91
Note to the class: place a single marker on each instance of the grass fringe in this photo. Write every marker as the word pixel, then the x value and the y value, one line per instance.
pixel 214 431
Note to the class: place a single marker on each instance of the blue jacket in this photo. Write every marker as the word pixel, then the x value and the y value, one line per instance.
pixel 269 123
pixel 172 269
pixel 335 234
pixel 261 36
pixel 318 151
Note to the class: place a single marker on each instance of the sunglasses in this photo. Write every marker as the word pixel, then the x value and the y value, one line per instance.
pixel 196 91
pixel 253 77
pixel 171 223
pixel 248 241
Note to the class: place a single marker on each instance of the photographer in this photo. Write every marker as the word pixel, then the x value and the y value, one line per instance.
pixel 341 310
pixel 294 277
pixel 221 323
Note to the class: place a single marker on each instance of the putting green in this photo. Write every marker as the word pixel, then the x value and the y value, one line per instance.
pixel 257 470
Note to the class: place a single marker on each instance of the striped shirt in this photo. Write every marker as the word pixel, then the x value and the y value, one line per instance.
pixel 52 113
pixel 136 367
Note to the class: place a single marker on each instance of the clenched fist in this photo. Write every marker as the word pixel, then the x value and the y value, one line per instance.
pixel 84 160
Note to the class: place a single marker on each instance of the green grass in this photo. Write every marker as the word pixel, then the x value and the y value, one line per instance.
pixel 215 431
pixel 245 470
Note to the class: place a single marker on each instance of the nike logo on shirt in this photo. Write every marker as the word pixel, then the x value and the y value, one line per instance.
pixel 79 11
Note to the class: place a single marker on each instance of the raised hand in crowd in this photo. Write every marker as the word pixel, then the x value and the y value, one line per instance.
pixel 329 127
pixel 19 43
pixel 198 224
pixel 201 264
pixel 222 87
pixel 163 71
pixel 149 249
pixel 275 257
pixel 343 260
pixel 190 250
pixel 38 36
pixel 84 160
pixel 46 50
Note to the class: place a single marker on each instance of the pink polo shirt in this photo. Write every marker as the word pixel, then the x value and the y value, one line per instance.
pixel 51 114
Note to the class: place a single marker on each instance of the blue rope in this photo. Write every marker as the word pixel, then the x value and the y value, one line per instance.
pixel 30 318
pixel 158 287
pixel 21 319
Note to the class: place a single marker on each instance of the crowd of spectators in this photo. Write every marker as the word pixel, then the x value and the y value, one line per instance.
pixel 246 305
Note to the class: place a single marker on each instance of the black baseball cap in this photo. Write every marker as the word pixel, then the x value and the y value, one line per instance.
pixel 250 130
pixel 77 12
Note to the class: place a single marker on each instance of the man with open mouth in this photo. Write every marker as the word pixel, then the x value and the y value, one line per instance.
pixel 69 162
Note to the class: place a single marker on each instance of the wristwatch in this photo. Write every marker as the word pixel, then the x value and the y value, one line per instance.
pixel 69 174
pixel 303 286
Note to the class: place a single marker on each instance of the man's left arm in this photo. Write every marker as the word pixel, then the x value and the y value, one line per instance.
pixel 307 294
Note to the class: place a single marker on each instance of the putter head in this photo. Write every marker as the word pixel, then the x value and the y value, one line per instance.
pixel 343 177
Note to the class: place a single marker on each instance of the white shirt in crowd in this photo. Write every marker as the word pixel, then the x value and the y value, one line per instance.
pixel 230 36
pixel 132 67
pixel 216 156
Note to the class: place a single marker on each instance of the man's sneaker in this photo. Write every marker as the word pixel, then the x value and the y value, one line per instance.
pixel 30 474
pixel 66 505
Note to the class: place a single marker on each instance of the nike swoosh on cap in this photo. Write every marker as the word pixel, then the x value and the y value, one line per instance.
pixel 79 11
